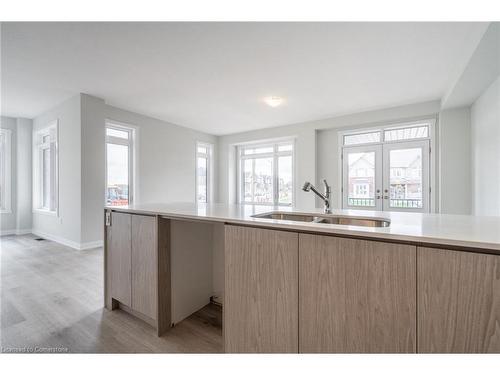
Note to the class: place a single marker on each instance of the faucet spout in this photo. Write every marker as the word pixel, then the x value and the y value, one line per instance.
pixel 324 196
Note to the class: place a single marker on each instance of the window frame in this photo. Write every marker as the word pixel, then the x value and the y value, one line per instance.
pixel 6 171
pixel 39 146
pixel 209 178
pixel 132 143
pixel 275 154
pixel 431 122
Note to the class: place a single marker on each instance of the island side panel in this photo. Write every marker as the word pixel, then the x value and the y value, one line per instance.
pixel 119 262
pixel 164 289
pixel 144 265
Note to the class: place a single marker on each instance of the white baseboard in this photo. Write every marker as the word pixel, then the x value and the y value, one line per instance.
pixel 17 232
pixel 91 245
pixel 69 243
pixel 20 232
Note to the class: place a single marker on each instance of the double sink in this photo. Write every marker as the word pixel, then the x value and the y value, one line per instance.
pixel 324 219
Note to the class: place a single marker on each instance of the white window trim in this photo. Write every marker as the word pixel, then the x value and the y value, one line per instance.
pixel 6 178
pixel 133 144
pixel 37 183
pixel 275 154
pixel 431 121
pixel 210 169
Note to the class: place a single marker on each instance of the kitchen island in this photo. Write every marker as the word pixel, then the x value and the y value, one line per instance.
pixel 420 283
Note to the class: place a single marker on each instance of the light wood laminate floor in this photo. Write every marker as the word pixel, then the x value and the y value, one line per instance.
pixel 52 297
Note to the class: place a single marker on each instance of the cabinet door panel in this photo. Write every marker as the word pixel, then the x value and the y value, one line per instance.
pixel 144 265
pixel 458 302
pixel 356 296
pixel 119 260
pixel 261 291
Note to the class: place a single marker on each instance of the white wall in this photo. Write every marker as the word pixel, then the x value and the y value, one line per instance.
pixel 166 157
pixel 66 227
pixel 92 169
pixel 455 161
pixel 485 120
pixel 8 220
pixel 19 220
pixel 24 175
pixel 316 152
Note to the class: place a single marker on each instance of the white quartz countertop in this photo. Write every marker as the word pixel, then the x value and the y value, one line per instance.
pixel 480 232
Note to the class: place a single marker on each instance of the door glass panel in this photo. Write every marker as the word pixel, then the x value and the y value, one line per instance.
pixel 117 191
pixel 361 179
pixel 285 179
pixel 405 175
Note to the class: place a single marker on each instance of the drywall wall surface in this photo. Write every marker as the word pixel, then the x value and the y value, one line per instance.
pixel 92 169
pixel 455 175
pixel 8 219
pixel 482 68
pixel 166 160
pixel 24 175
pixel 485 123
pixel 66 226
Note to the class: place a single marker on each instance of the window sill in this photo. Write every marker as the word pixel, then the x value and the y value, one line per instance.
pixel 5 211
pixel 45 212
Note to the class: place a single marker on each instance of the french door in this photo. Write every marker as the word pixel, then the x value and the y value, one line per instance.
pixel 387 177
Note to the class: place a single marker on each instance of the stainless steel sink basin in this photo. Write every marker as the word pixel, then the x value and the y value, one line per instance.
pixel 324 219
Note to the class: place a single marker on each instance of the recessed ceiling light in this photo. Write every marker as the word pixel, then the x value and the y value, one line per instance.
pixel 273 101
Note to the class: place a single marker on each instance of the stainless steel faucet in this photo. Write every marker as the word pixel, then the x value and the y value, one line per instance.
pixel 325 197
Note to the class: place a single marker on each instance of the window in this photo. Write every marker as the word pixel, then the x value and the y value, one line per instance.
pixel 401 134
pixel 119 164
pixel 390 134
pixel 388 168
pixel 45 169
pixel 362 138
pixel 5 170
pixel 204 168
pixel 266 173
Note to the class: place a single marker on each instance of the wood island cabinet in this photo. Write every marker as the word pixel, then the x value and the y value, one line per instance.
pixel 136 260
pixel 261 291
pixel 458 302
pixel 118 260
pixel 356 296
pixel 292 292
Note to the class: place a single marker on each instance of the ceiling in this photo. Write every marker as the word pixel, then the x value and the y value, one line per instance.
pixel 213 76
